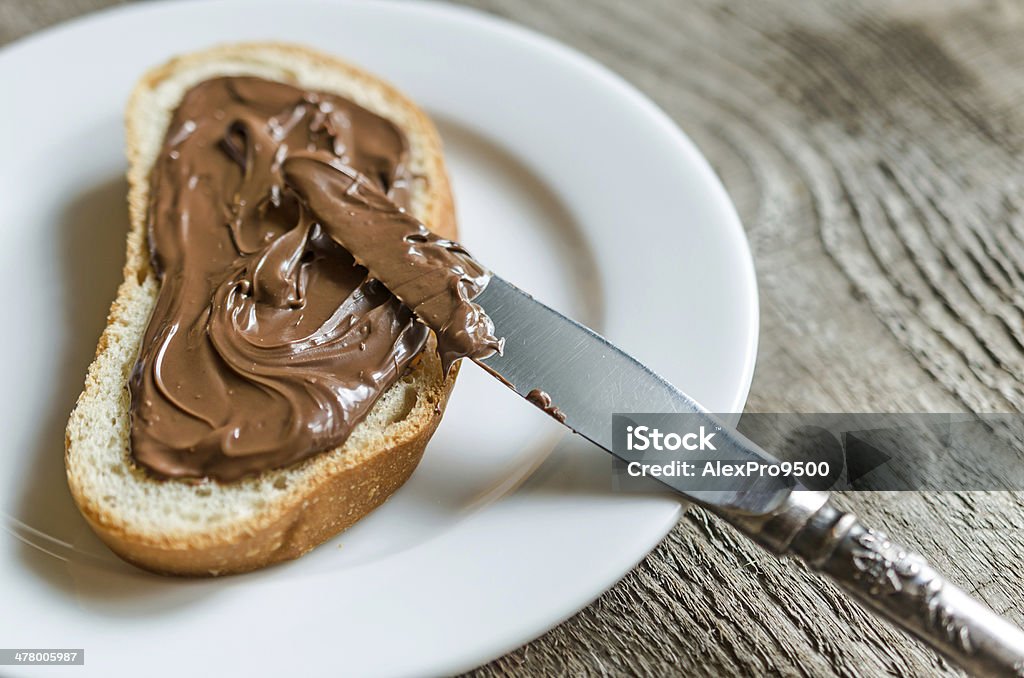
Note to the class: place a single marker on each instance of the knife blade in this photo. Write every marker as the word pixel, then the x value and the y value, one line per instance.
pixel 588 378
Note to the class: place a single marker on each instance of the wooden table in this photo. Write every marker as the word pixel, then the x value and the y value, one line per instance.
pixel 874 154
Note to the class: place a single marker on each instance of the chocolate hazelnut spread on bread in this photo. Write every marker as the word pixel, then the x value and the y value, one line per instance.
pixel 295 287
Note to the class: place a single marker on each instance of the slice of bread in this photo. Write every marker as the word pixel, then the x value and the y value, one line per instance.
pixel 205 527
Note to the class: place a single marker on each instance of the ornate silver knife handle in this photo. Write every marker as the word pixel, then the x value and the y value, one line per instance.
pixel 891 580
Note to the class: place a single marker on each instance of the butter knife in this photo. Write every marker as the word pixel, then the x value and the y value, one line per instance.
pixel 589 379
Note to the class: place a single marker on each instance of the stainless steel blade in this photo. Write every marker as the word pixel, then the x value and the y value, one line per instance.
pixel 589 379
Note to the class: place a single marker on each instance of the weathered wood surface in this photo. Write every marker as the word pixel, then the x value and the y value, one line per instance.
pixel 874 152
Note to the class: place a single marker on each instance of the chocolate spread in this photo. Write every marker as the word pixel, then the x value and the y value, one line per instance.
pixel 436 278
pixel 542 400
pixel 270 338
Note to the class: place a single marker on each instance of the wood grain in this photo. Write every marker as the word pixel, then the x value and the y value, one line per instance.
pixel 873 151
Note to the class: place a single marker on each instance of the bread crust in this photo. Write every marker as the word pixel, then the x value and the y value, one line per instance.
pixel 331 507
pixel 344 484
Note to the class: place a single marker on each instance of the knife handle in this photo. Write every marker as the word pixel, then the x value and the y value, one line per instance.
pixel 891 580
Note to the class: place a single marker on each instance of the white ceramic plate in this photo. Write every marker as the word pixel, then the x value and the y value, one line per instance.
pixel 568 182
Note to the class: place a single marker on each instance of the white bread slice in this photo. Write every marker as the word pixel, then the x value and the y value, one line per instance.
pixel 208 528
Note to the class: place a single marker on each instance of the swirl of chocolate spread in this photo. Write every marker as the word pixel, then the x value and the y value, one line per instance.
pixel 291 280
